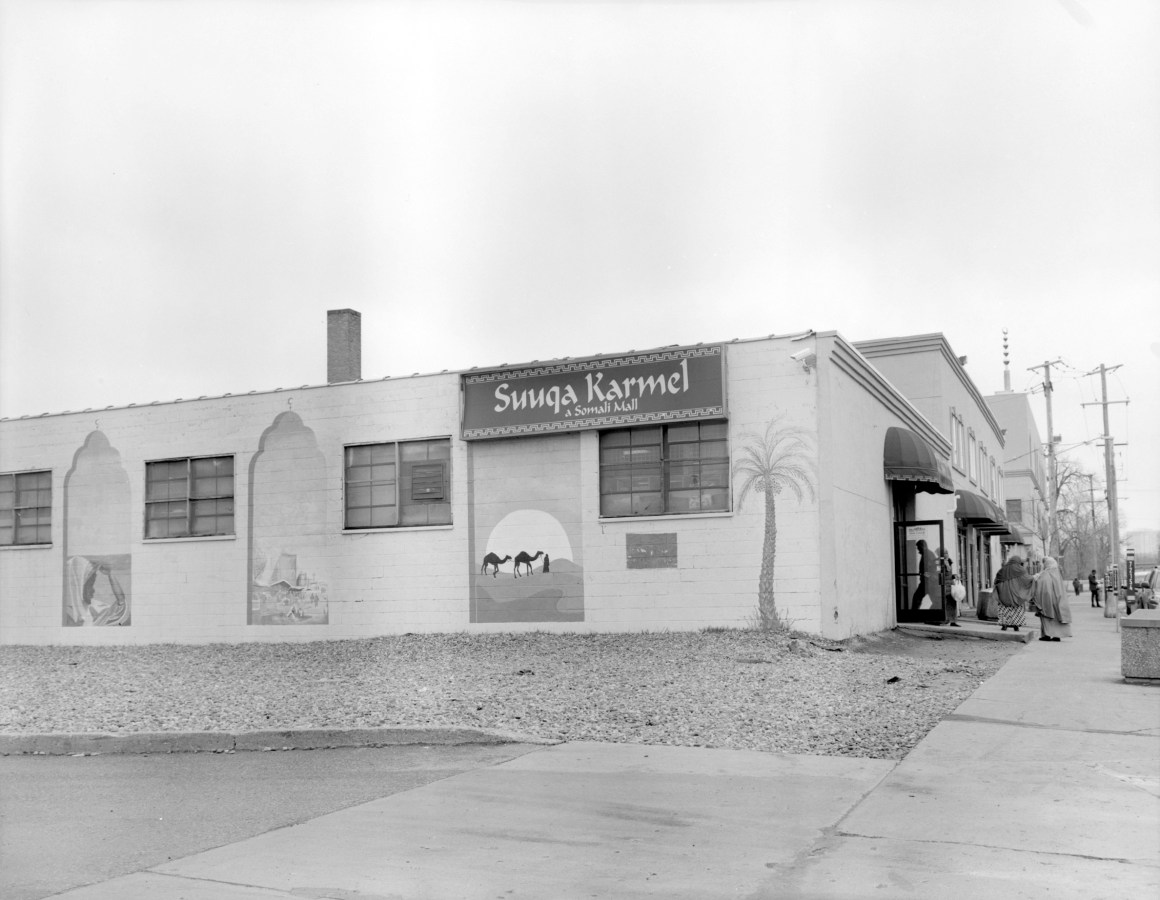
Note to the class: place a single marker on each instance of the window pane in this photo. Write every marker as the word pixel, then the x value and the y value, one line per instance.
pixel 615 456
pixel 685 475
pixel 383 473
pixel 714 475
pixel 615 439
pixel 411 451
pixel 383 495
pixel 647 504
pixel 358 518
pixel 384 516
pixel 616 505
pixel 714 450
pixel 684 501
pixel 6 532
pixel 646 481
pixel 357 456
pixel 645 436
pixel 682 433
pixel 714 431
pixel 684 451
pixel 714 500
pixel 645 455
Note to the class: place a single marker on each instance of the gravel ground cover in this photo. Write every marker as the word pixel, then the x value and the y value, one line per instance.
pixel 868 697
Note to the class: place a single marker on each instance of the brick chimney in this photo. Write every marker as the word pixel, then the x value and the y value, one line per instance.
pixel 343 345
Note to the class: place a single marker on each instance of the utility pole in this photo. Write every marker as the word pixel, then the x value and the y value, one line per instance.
pixel 1052 472
pixel 1110 477
pixel 1098 563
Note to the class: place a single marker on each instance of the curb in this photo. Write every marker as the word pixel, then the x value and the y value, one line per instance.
pixel 1022 636
pixel 225 742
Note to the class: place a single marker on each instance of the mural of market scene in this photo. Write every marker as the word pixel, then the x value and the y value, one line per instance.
pixel 288 562
pixel 281 595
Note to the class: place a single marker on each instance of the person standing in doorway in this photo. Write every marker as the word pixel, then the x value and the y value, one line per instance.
pixel 1094 587
pixel 926 568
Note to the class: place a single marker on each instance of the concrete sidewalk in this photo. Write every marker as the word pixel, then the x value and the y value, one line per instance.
pixel 1045 783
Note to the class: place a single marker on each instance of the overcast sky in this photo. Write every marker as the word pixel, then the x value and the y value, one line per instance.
pixel 187 186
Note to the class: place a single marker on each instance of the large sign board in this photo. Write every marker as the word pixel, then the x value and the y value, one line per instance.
pixel 571 395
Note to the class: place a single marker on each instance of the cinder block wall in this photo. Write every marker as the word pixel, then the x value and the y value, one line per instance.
pixel 419 578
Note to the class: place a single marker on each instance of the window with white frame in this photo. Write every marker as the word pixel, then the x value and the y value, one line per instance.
pixel 25 508
pixel 189 497
pixel 972 456
pixel 664 469
pixel 397 483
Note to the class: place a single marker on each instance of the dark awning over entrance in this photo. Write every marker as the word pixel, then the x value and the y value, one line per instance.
pixel 980 512
pixel 907 457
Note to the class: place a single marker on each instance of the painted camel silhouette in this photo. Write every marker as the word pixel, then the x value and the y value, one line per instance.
pixel 523 559
pixel 495 562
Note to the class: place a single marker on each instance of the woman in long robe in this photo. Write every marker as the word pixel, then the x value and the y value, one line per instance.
pixel 1014 587
pixel 1050 603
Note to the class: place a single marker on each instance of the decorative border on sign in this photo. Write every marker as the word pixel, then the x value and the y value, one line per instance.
pixel 702 412
pixel 598 362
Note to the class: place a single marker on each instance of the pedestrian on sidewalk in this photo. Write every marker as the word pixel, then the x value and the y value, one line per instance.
pixel 1013 587
pixel 946 567
pixel 1050 603
pixel 1076 585
pixel 1094 587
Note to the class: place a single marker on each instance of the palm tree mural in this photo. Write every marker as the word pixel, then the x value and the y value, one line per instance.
pixel 769 463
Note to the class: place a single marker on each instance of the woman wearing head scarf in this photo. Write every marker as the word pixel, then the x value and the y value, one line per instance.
pixel 1050 603
pixel 1013 587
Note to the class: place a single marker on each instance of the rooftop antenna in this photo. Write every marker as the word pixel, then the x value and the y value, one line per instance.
pixel 1006 364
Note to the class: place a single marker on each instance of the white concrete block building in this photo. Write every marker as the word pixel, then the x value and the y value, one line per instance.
pixel 598 494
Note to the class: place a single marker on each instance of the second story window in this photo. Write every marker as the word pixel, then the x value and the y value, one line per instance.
pixel 25 508
pixel 192 497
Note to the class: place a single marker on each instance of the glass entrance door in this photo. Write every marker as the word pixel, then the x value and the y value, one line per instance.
pixel 918 578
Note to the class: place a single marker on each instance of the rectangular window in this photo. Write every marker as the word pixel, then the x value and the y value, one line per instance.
pixel 405 483
pixel 25 508
pixel 664 469
pixel 191 497
pixel 1015 511
pixel 972 457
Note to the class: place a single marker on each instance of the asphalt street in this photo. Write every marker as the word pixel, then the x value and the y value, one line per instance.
pixel 70 821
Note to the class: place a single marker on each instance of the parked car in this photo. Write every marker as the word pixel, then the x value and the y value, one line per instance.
pixel 1146 590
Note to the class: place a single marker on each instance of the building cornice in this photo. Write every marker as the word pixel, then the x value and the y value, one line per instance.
pixel 926 343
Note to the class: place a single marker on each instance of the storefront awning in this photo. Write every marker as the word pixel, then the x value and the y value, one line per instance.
pixel 980 512
pixel 1018 535
pixel 907 457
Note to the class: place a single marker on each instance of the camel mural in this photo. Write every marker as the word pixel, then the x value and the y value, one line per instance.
pixel 523 559
pixel 509 515
pixel 493 560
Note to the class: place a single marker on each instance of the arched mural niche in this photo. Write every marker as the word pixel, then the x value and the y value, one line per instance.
pixel 289 570
pixel 97 537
